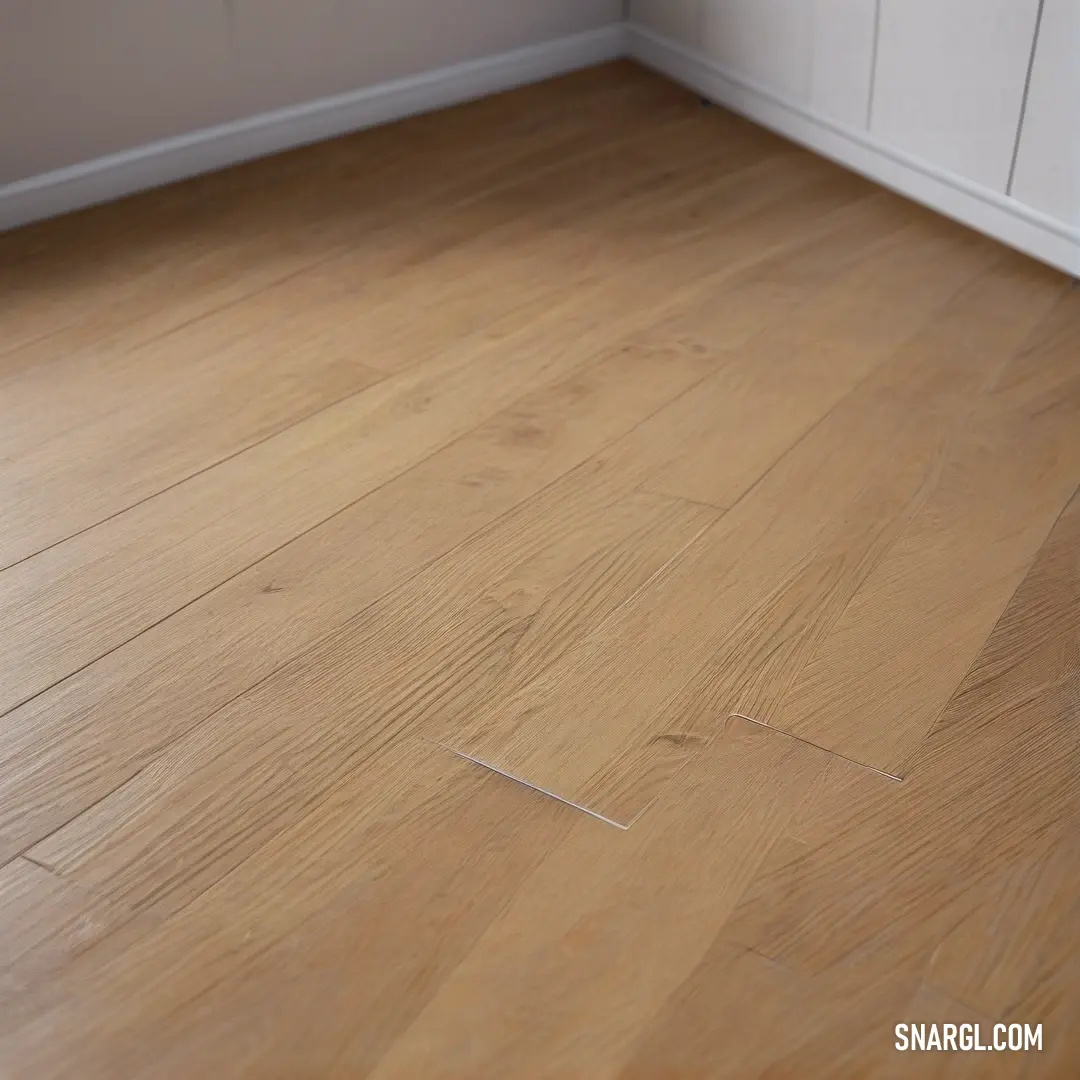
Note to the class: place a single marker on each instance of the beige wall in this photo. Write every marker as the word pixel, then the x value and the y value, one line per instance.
pixel 84 78
pixel 677 19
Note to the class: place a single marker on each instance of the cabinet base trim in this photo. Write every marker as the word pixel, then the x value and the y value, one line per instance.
pixel 997 215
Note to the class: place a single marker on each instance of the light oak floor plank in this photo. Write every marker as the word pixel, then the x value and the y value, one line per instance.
pixel 872 688
pixel 210 390
pixel 995 957
pixel 98 276
pixel 992 788
pixel 517 596
pixel 386 266
pixel 743 1016
pixel 69 747
pixel 777 567
pixel 469 629
pixel 48 923
pixel 378 944
pixel 949 898
pixel 229 960
pixel 572 960
pixel 172 548
pixel 671 420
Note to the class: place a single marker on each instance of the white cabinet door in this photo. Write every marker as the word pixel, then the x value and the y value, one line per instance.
pixel 1048 159
pixel 767 42
pixel 843 56
pixel 950 82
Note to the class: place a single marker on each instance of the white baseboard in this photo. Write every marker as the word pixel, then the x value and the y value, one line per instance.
pixel 164 162
pixel 213 148
pixel 996 215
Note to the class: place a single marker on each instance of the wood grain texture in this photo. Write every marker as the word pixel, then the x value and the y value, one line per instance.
pixel 48 923
pixel 669 420
pixel 512 600
pixel 779 566
pixel 171 549
pixel 97 278
pixel 544 576
pixel 948 898
pixel 238 377
pixel 865 690
pixel 355 315
pixel 649 900
pixel 992 960
pixel 240 960
pixel 741 1015
pixel 94 730
pixel 889 862
pixel 70 746
pixel 174 547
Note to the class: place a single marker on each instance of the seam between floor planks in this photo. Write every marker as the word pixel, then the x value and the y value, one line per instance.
pixel 728 272
pixel 345 509
pixel 382 377
pixel 241 177
pixel 636 193
pixel 480 750
pixel 743 851
pixel 825 749
pixel 531 787
pixel 311 646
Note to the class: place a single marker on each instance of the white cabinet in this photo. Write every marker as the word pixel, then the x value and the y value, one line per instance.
pixel 950 82
pixel 842 47
pixel 767 42
pixel 940 84
pixel 1047 173
pixel 817 53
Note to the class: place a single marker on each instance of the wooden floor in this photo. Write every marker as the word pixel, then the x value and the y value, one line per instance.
pixel 580 435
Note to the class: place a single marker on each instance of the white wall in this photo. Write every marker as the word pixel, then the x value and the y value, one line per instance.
pixel 80 79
